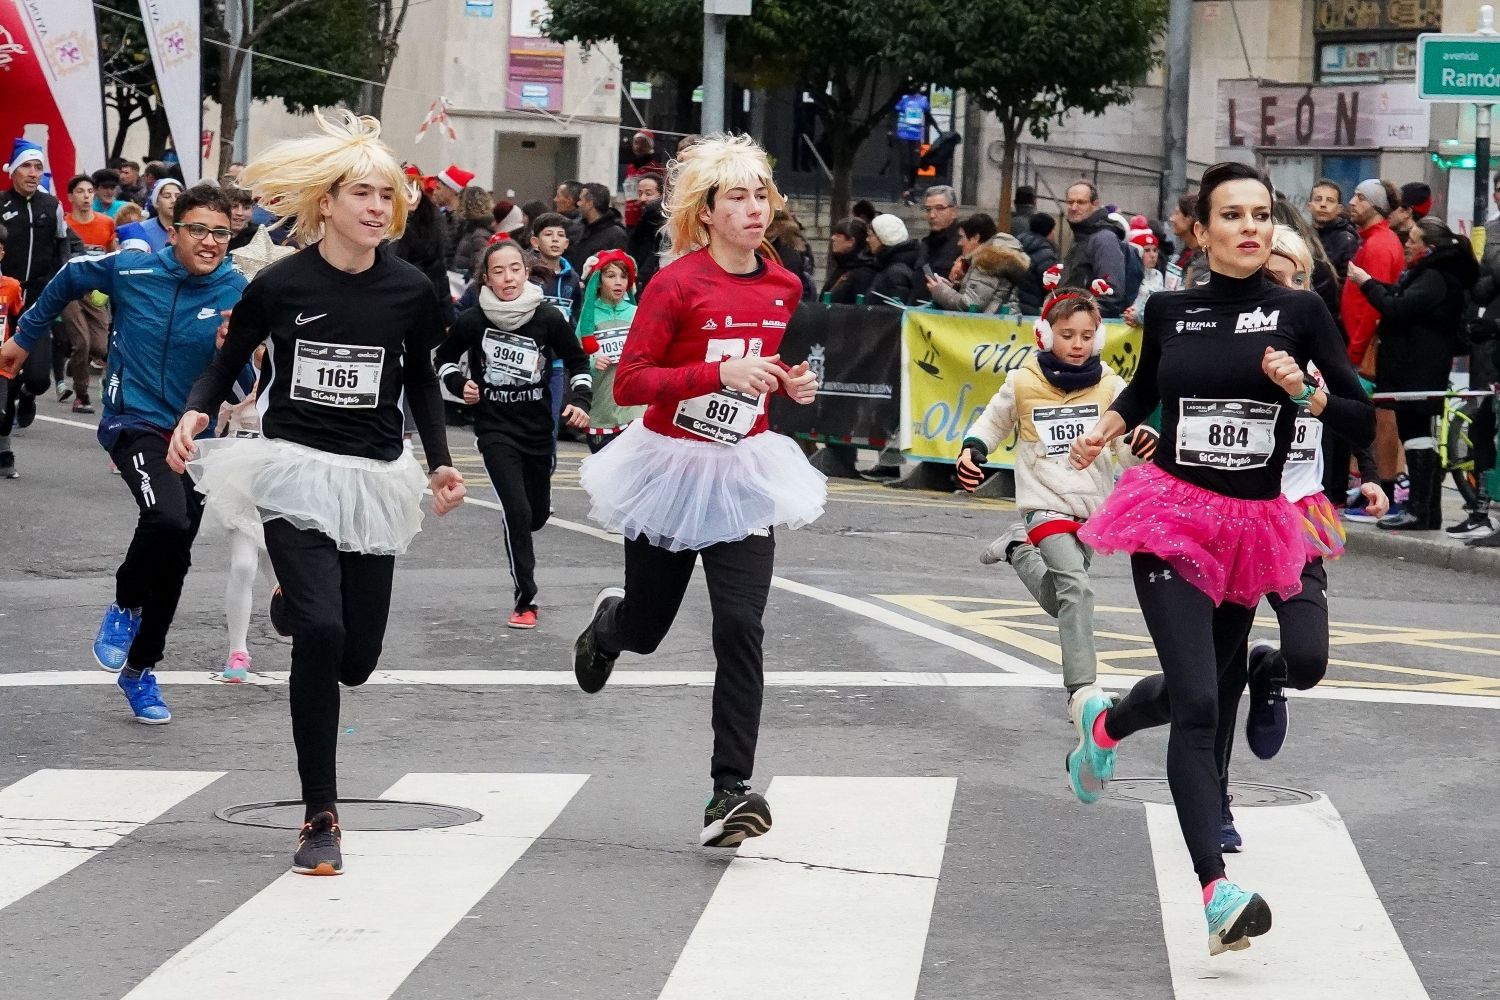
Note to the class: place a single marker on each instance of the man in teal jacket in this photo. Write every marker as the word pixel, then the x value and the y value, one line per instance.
pixel 168 308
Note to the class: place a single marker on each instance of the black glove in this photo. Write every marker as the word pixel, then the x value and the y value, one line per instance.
pixel 1142 442
pixel 970 475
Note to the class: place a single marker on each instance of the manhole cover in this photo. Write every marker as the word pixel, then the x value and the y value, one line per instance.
pixel 1245 793
pixel 356 814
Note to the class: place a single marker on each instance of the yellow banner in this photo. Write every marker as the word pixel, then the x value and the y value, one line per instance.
pixel 954 363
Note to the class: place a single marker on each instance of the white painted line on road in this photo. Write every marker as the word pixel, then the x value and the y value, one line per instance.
pixel 52 821
pixel 358 936
pixel 1330 938
pixel 705 678
pixel 834 902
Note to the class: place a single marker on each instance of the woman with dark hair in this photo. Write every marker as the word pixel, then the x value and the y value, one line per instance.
pixel 424 246
pixel 853 269
pixel 864 211
pixel 992 267
pixel 1420 316
pixel 1207 528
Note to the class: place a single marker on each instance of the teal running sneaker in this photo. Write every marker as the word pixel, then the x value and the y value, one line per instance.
pixel 1234 916
pixel 1090 766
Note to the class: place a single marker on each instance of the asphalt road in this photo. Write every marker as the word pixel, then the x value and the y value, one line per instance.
pixel 926 843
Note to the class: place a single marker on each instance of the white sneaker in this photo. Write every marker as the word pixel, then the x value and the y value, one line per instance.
pixel 998 550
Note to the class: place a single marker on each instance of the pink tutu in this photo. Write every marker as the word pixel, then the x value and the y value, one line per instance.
pixel 1322 528
pixel 1232 550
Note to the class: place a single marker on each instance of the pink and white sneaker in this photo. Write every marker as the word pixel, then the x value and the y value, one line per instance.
pixel 236 668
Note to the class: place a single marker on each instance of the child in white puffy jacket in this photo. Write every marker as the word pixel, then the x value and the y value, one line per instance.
pixel 1056 396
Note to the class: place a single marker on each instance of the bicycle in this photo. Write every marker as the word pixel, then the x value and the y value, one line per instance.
pixel 1454 444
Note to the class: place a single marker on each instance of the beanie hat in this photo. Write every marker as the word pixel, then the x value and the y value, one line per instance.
pixel 1374 193
pixel 455 178
pixel 1417 197
pixel 25 151
pixel 156 188
pixel 889 230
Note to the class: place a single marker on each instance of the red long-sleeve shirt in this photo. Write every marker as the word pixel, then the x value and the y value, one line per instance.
pixel 1380 255
pixel 693 316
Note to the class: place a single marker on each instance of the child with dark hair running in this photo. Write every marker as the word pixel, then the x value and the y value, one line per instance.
pixel 1057 395
pixel 511 339
pixel 700 474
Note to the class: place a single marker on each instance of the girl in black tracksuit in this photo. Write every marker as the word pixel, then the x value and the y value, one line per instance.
pixel 511 338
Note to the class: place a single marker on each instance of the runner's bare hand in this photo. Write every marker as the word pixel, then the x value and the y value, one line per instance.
pixel 1376 502
pixel 11 357
pixel 801 384
pixel 1084 450
pixel 182 449
pixel 1283 369
pixel 471 392
pixel 448 491
pixel 756 376
pixel 575 418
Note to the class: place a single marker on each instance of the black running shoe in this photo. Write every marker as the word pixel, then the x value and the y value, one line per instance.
pixel 25 409
pixel 8 465
pixel 278 613
pixel 591 665
pixel 1266 720
pixel 318 850
pixel 734 814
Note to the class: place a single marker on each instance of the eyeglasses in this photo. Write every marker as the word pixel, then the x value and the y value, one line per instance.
pixel 200 232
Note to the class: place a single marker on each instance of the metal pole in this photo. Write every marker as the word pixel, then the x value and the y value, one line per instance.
pixel 713 74
pixel 238 33
pixel 1482 137
pixel 1175 105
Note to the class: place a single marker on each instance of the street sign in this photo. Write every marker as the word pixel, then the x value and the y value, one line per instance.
pixel 1458 68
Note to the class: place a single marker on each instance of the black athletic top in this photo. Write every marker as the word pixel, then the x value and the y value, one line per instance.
pixel 1225 426
pixel 344 348
pixel 511 370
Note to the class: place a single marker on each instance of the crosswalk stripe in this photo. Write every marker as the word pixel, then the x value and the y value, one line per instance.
pixel 40 840
pixel 358 936
pixel 834 902
pixel 1331 938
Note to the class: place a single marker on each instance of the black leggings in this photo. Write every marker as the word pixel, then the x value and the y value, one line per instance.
pixel 1197 644
pixel 1299 662
pixel 336 608
pixel 738 575
pixel 523 482
pixel 34 377
pixel 161 551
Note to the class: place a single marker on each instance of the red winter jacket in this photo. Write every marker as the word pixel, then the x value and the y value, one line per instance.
pixel 1381 256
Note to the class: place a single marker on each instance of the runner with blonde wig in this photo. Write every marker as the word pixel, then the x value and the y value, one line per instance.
pixel 293 176
pixel 330 480
pixel 700 474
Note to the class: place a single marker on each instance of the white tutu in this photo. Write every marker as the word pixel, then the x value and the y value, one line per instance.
pixel 684 494
pixel 363 504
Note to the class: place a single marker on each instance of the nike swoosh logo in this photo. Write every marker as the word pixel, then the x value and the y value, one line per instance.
pixel 304 320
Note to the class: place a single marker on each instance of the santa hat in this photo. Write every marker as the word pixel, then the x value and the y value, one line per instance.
pixel 1042 329
pixel 603 259
pixel 509 216
pixel 1138 225
pixel 590 276
pixel 455 178
pixel 644 133
pixel 25 151
pixel 1141 239
pixel 413 171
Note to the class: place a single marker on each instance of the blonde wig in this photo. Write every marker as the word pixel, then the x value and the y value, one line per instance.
pixel 292 176
pixel 1288 244
pixel 713 163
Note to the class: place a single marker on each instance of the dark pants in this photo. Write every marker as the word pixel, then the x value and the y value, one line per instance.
pixel 35 378
pixel 161 551
pixel 738 575
pixel 523 483
pixel 1198 644
pixel 336 609
pixel 1299 662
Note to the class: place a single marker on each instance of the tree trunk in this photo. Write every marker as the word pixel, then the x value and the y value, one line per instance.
pixel 158 129
pixel 1008 172
pixel 230 65
pixel 841 150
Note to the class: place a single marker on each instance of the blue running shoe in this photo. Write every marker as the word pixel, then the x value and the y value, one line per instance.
pixel 1230 840
pixel 1090 766
pixel 116 633
pixel 145 700
pixel 1234 916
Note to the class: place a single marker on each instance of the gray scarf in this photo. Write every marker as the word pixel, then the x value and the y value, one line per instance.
pixel 510 316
